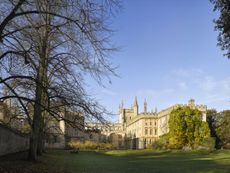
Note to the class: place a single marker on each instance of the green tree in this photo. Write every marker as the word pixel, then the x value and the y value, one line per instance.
pixel 177 128
pixel 186 128
pixel 212 117
pixel 223 127
pixel 223 24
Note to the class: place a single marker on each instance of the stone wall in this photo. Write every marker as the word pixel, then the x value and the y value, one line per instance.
pixel 12 141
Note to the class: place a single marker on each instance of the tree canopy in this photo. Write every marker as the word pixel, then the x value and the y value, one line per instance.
pixel 186 128
pixel 223 24
pixel 223 127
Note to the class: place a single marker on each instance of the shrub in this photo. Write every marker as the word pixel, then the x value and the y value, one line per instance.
pixel 156 145
pixel 226 146
pixel 208 143
pixel 89 145
pixel 161 144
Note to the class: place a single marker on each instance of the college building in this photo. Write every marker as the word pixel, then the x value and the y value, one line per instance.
pixel 136 130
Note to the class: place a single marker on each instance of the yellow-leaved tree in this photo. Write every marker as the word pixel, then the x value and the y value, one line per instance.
pixel 186 128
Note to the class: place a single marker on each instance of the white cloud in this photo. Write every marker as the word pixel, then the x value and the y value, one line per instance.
pixel 216 90
pixel 183 85
pixel 207 83
pixel 155 93
pixel 185 73
pixel 108 92
pixel 202 85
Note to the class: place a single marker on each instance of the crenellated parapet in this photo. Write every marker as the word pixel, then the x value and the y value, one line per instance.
pixel 201 107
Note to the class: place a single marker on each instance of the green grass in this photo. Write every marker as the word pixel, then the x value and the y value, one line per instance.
pixel 132 161
pixel 143 161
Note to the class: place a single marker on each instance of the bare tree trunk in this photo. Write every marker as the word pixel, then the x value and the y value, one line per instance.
pixel 40 147
pixel 41 136
pixel 40 132
pixel 37 128
pixel 41 89
pixel 36 125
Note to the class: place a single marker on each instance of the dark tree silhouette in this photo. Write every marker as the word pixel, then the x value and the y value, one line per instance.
pixel 212 119
pixel 47 49
pixel 223 24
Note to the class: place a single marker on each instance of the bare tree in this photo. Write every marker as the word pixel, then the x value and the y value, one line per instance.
pixel 61 43
pixel 8 13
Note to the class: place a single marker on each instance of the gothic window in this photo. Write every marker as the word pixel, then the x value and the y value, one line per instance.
pixel 151 131
pixel 155 131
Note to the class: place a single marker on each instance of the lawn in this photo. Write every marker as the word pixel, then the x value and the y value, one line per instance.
pixel 129 161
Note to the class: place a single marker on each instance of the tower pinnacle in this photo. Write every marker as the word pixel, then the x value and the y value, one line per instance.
pixel 122 104
pixel 135 107
pixel 145 106
pixel 135 102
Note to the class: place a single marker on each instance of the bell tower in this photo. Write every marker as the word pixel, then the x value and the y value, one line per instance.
pixel 191 103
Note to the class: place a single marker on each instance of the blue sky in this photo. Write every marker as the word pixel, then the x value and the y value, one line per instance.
pixel 168 56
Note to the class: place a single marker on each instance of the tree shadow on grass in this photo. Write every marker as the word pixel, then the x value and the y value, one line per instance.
pixel 127 162
pixel 18 163
pixel 194 162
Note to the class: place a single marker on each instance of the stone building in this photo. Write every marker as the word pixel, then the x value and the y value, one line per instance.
pixel 2 111
pixel 57 131
pixel 138 129
pixel 135 130
pixel 10 116
pixel 108 133
pixel 60 132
